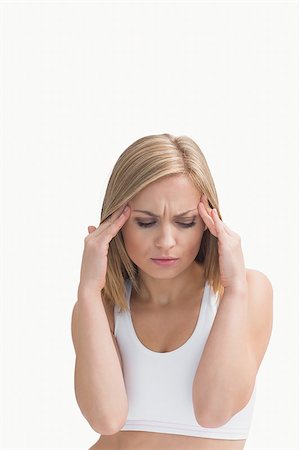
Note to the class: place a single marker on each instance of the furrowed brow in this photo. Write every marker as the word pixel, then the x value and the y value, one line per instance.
pixel 149 213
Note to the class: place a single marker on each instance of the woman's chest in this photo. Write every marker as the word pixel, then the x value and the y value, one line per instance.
pixel 166 329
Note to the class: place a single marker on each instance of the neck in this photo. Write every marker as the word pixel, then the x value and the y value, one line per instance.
pixel 174 291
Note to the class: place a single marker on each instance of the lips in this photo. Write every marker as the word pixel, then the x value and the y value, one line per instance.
pixel 162 258
pixel 165 261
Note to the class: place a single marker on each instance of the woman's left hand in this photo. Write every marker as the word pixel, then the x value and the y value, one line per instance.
pixel 231 259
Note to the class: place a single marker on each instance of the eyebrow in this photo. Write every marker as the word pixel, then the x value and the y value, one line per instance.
pixel 155 215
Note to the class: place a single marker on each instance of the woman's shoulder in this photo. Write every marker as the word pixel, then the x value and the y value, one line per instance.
pixel 260 301
pixel 255 276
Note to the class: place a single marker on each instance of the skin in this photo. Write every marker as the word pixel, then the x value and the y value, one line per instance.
pixel 166 286
pixel 166 236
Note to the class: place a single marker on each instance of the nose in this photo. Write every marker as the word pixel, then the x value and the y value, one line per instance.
pixel 165 238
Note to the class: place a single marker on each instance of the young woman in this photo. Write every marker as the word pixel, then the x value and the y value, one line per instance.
pixel 169 328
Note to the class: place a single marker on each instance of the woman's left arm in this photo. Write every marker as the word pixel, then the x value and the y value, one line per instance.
pixel 240 333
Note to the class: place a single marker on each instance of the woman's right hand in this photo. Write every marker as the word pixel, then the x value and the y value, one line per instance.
pixel 96 245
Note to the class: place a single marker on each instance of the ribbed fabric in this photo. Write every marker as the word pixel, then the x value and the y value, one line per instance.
pixel 159 385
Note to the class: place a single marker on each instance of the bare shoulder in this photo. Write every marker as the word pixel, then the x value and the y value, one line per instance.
pixel 258 280
pixel 260 298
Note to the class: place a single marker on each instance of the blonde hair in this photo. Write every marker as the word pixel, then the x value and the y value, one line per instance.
pixel 149 159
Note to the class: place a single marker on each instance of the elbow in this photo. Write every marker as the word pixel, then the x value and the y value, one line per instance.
pixel 208 420
pixel 110 426
pixel 105 429
pixel 208 413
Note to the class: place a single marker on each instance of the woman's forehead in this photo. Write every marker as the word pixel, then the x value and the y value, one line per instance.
pixel 175 191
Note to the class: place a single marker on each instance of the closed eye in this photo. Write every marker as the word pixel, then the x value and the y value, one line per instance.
pixel 149 224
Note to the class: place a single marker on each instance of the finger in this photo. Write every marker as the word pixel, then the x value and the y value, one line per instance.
pixel 106 223
pixel 229 231
pixel 208 220
pixel 219 224
pixel 222 224
pixel 206 203
pixel 109 221
pixel 205 215
pixel 120 218
pixel 112 217
pixel 115 226
pixel 212 214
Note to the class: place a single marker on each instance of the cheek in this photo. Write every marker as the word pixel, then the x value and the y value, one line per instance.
pixel 135 246
pixel 127 231
pixel 195 238
pixel 132 238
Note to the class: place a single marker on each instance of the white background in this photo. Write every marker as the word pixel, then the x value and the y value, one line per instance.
pixel 80 81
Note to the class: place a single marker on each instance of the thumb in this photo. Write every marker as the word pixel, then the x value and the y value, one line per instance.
pixel 91 228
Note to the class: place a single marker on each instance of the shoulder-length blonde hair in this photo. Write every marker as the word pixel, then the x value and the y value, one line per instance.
pixel 149 159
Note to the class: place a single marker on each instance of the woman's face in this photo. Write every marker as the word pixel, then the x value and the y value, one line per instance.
pixel 147 237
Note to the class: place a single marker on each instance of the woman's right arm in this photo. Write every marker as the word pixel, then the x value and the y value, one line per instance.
pixel 99 384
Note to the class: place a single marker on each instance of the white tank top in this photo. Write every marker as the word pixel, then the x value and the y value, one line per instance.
pixel 159 385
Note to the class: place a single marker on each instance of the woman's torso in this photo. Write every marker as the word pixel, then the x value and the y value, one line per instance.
pixel 145 440
pixel 176 332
